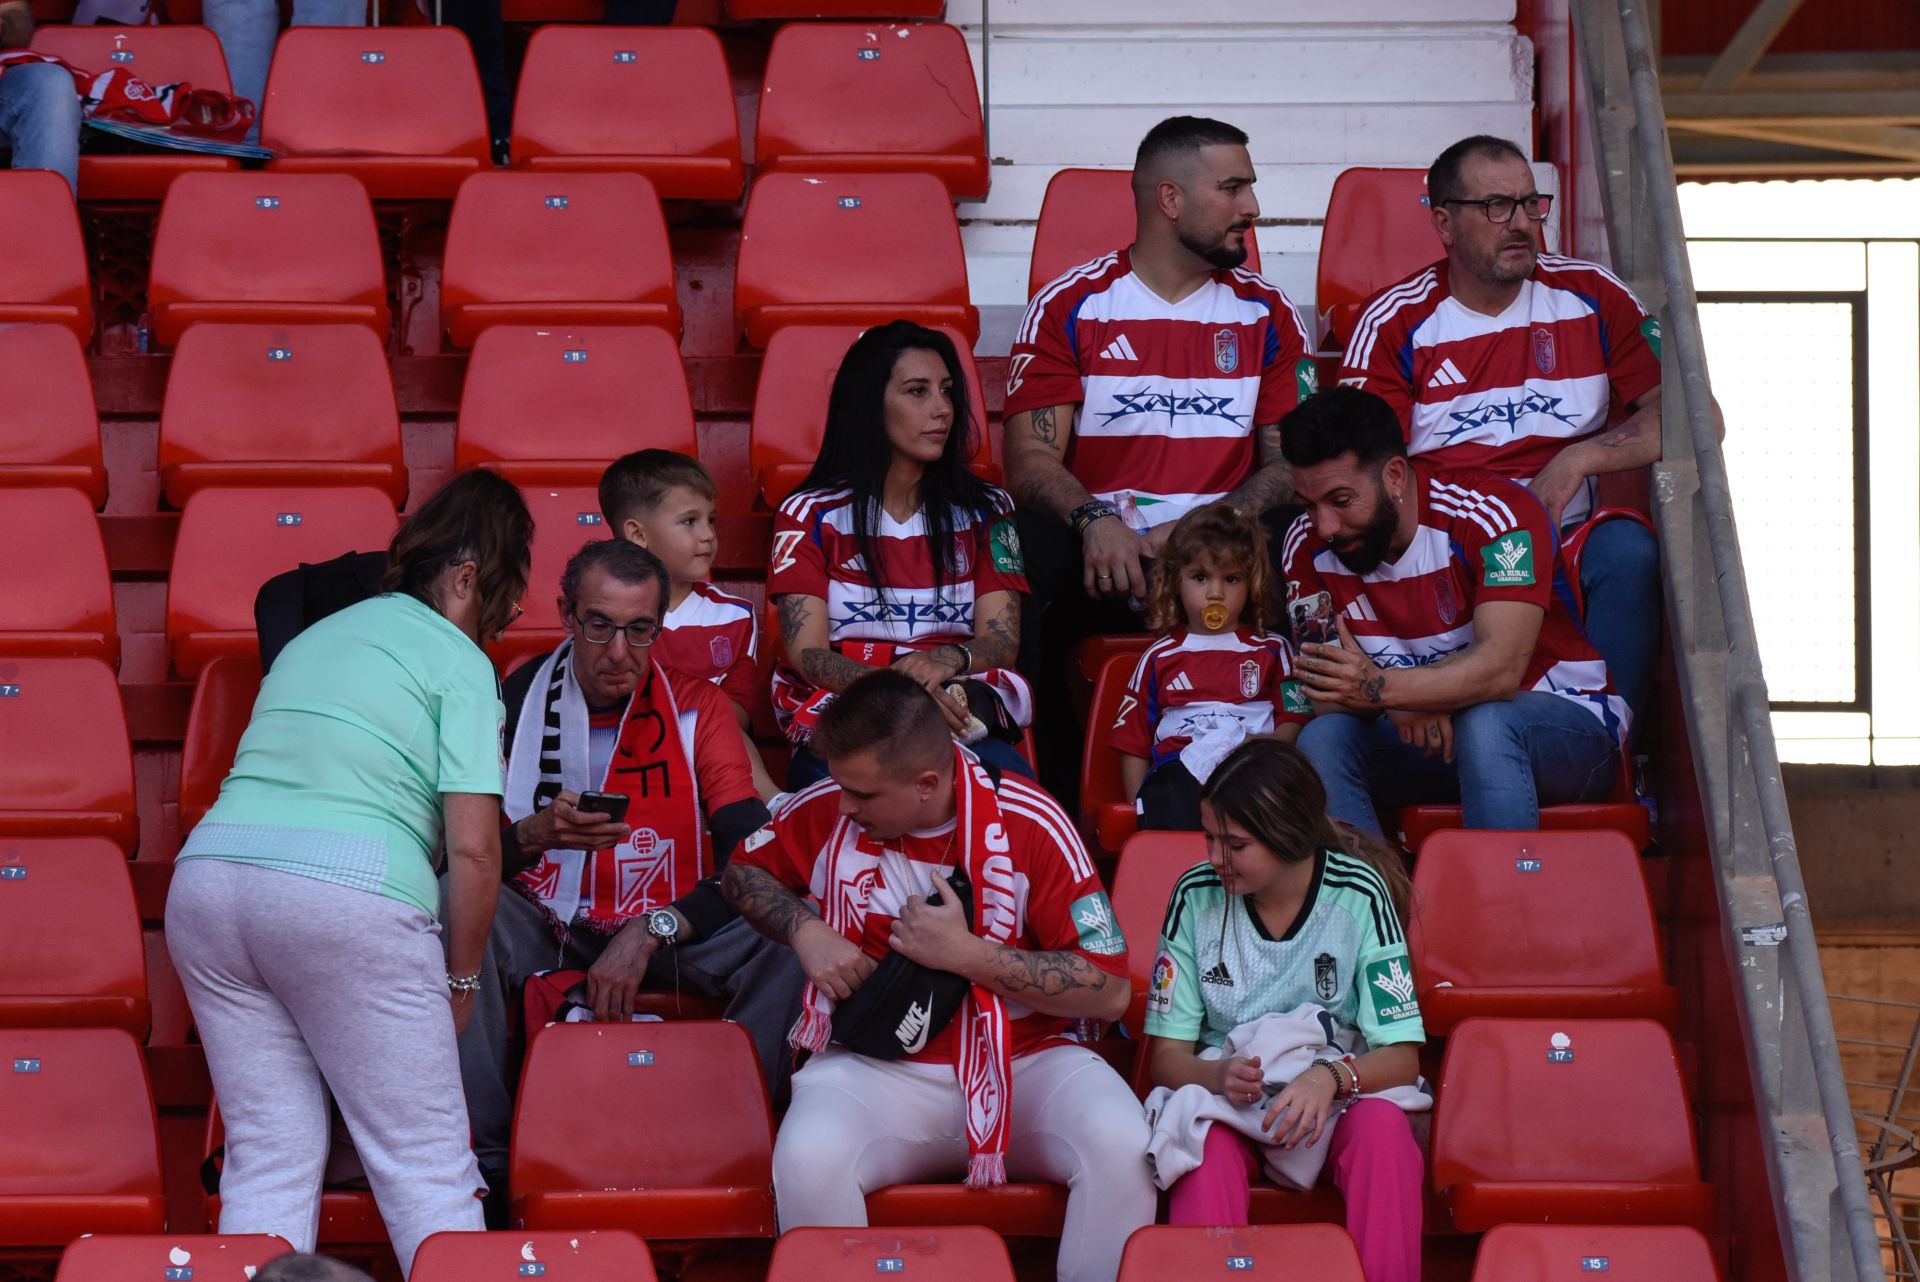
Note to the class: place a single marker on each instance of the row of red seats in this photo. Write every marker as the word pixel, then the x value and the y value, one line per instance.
pixel 399 107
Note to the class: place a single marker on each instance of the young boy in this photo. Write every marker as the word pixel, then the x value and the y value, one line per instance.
pixel 665 502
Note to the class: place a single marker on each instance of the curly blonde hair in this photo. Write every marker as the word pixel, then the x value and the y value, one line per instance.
pixel 1232 541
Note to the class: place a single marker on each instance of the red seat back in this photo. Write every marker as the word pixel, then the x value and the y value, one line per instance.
pixel 1142 887
pixel 1087 213
pixel 958 1253
pixel 1262 1253
pixel 71 954
pixel 50 434
pixel 1105 808
pixel 55 593
pixel 565 518
pixel 160 55
pixel 213 1257
pixel 50 284
pixel 835 8
pixel 1574 1253
pixel 222 705
pixel 63 737
pixel 1379 230
pixel 597 1254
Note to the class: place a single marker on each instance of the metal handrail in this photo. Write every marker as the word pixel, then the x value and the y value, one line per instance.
pixel 1750 720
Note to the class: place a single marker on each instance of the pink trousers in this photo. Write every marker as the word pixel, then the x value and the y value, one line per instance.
pixel 1376 1166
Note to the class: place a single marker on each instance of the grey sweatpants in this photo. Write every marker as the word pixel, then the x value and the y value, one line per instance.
pixel 760 979
pixel 301 988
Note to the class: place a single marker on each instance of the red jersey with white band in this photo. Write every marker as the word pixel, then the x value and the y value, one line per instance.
pixel 1187 684
pixel 1481 538
pixel 1506 393
pixel 1044 878
pixel 1169 393
pixel 715 636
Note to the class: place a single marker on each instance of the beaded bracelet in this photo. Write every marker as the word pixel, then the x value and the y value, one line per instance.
pixel 464 983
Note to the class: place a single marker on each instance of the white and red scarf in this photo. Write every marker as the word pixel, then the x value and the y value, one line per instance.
pixel 666 852
pixel 985 1059
pixel 797 704
pixel 120 95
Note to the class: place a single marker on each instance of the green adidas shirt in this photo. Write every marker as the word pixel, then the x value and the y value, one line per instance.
pixel 1218 967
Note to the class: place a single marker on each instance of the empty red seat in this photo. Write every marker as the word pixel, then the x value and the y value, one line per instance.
pixel 1263 1253
pixel 873 98
pixel 69 766
pixel 212 1257
pixel 958 1253
pixel 1142 887
pixel 790 405
pixel 556 249
pixel 266 248
pixel 559 1254
pixel 1623 814
pixel 233 539
pixel 652 101
pixel 50 284
pixel 1574 1253
pixel 55 593
pixel 397 107
pixel 1011 1210
pixel 222 705
pixel 598 392
pixel 1568 1122
pixel 1379 230
pixel 653 1166
pixel 49 431
pixel 160 55
pixel 1106 811
pixel 1576 934
pixel 835 8
pixel 564 518
pixel 1087 213
pixel 80 1151
pixel 71 954
pixel 850 249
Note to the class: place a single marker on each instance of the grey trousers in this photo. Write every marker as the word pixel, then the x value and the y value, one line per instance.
pixel 301 989
pixel 760 979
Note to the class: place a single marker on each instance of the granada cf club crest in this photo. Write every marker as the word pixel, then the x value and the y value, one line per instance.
pixel 641 869
pixel 1543 356
pixel 722 650
pixel 1226 350
pixel 1326 977
pixel 1250 678
pixel 1445 600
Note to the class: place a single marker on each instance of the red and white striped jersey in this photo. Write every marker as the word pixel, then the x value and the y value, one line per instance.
pixel 715 636
pixel 1169 393
pixel 1481 538
pixel 1506 393
pixel 1187 684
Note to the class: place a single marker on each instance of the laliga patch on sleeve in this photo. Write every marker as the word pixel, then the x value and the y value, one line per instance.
pixel 1508 561
pixel 1650 330
pixel 1160 988
pixel 1099 931
pixel 1390 989
pixel 1306 377
pixel 1003 542
pixel 758 839
pixel 1294 699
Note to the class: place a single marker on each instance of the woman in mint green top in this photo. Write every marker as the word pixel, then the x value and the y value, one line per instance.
pixel 301 915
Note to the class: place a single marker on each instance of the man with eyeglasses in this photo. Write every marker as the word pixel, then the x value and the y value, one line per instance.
pixel 633 898
pixel 1542 368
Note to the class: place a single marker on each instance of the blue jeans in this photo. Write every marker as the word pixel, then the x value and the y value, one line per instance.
pixel 40 120
pixel 807 769
pixel 1620 579
pixel 248 30
pixel 1509 759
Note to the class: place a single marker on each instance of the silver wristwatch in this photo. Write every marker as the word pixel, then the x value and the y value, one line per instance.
pixel 664 926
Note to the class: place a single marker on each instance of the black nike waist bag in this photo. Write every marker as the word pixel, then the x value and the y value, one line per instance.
pixel 903 1005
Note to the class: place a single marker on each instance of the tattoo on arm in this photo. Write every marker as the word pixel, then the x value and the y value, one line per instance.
pixel 793 615
pixel 1036 461
pixel 758 895
pixel 999 645
pixel 1271 483
pixel 1371 686
pixel 1044 427
pixel 830 671
pixel 1013 971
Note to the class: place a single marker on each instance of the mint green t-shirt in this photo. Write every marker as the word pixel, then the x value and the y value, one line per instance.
pixel 365 720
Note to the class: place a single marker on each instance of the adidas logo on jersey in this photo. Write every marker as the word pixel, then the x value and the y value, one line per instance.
pixel 855 564
pixel 1218 975
pixel 1119 350
pixel 1181 682
pixel 1446 376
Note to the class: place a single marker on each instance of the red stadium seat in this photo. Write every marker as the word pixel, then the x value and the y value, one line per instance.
pixel 559 1254
pixel 222 705
pixel 873 98
pixel 1565 1121
pixel 836 8
pixel 652 1166
pixel 1011 1210
pixel 159 55
pixel 1622 814
pixel 71 955
pixel 790 405
pixel 652 101
pixel 233 539
pixel 211 1257
pixel 1087 213
pixel 50 434
pixel 55 593
pixel 1272 1253
pixel 274 405
pixel 80 1151
pixel 266 248
pixel 556 249
pixel 1378 230
pixel 396 107
pixel 850 249
pixel 1574 1253
pixel 1576 935
pixel 1142 887
pixel 350 1220
pixel 959 1253
pixel 606 391
pixel 63 735
pixel 50 284
pixel 1105 809
pixel 564 518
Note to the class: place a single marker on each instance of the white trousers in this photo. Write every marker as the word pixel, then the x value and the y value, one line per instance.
pixel 858 1124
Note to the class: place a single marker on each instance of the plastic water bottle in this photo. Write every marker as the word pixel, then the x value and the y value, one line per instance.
pixel 1130 513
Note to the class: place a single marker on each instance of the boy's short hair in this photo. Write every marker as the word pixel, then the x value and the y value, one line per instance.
pixel 636 483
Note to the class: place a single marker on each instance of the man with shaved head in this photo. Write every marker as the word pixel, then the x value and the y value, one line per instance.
pixel 1144 384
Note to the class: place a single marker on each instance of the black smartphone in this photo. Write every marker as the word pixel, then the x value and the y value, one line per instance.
pixel 611 804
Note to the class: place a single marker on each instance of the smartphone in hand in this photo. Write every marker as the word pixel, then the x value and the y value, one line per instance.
pixel 611 804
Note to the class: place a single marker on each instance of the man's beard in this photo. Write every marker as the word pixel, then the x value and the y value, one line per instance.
pixel 1500 274
pixel 1218 252
pixel 1374 541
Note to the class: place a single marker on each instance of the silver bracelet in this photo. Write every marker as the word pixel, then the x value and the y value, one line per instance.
pixel 464 983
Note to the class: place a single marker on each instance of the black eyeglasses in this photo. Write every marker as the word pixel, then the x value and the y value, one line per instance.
pixel 1499 209
pixel 600 631
pixel 513 616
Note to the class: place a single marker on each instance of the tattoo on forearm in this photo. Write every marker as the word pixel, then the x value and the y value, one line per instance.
pixel 757 895
pixel 1045 429
pixel 1016 970
pixel 830 671
pixel 1370 687
pixel 999 645
pixel 1272 482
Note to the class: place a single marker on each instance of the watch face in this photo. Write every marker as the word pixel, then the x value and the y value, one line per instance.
pixel 661 923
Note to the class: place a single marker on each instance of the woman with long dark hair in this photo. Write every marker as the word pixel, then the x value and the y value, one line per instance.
pixel 894 554
pixel 302 913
